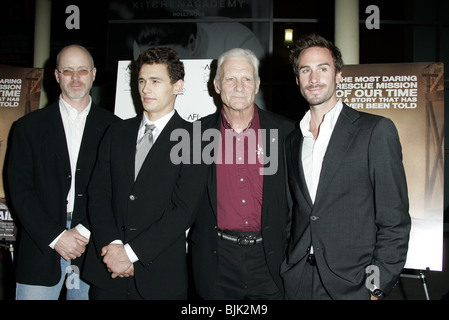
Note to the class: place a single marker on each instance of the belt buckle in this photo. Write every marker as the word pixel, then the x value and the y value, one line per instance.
pixel 311 259
pixel 243 241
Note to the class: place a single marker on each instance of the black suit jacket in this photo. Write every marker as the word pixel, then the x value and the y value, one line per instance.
pixel 38 182
pixel 360 216
pixel 151 213
pixel 274 208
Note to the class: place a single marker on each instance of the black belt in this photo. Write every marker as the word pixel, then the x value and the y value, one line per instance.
pixel 241 238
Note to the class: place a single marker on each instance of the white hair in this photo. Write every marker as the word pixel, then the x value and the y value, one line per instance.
pixel 237 52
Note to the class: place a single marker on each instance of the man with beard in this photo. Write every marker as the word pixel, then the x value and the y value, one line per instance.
pixel 51 158
pixel 350 214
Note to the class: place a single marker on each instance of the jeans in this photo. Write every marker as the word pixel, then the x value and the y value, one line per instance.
pixel 77 289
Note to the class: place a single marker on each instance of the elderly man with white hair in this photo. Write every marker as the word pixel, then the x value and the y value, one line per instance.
pixel 239 237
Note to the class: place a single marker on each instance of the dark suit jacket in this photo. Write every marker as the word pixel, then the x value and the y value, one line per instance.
pixel 274 208
pixel 360 216
pixel 38 182
pixel 151 213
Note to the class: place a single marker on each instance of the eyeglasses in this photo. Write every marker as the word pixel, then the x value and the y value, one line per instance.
pixel 69 73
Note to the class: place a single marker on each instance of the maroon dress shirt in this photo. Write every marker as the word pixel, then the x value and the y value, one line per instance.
pixel 239 177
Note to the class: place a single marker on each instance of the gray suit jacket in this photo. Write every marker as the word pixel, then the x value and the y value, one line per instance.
pixel 360 216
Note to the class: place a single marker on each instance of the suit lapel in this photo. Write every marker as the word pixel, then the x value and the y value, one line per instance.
pixel 161 146
pixel 91 137
pixel 269 180
pixel 296 163
pixel 56 137
pixel 129 146
pixel 215 123
pixel 341 139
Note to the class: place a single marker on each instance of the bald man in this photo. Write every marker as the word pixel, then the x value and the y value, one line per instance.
pixel 50 161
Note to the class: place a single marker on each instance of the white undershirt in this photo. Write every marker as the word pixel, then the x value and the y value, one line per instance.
pixel 313 151
pixel 74 124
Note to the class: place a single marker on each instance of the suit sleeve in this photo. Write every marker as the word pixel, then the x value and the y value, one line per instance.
pixel 36 221
pixel 100 211
pixel 391 203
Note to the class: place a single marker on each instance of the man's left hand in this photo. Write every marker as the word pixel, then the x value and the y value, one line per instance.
pixel 117 261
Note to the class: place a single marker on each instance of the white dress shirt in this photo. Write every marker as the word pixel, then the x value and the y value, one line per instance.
pixel 74 124
pixel 313 151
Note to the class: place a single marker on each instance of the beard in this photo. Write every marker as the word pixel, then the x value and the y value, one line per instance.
pixel 77 93
pixel 315 99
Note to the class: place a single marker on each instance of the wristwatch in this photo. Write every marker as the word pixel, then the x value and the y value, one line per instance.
pixel 377 293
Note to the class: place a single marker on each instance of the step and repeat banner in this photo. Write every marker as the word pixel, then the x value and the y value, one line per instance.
pixel 20 90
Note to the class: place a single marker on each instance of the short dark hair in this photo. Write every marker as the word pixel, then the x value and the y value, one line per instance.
pixel 163 55
pixel 315 40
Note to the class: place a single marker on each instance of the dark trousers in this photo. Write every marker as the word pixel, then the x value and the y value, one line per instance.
pixel 311 286
pixel 243 274
pixel 121 289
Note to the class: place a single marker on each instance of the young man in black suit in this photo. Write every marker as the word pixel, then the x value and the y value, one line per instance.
pixel 140 217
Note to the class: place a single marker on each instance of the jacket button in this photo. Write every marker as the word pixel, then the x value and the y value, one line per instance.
pixel 314 218
pixel 132 197
pixel 123 228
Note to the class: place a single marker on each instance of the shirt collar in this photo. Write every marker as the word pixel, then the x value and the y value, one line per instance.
pixel 329 121
pixel 70 111
pixel 159 123
pixel 225 123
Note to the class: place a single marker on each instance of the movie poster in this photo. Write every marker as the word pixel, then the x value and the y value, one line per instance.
pixel 412 96
pixel 20 90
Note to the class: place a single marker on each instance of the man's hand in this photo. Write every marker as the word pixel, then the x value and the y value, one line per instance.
pixel 117 261
pixel 71 245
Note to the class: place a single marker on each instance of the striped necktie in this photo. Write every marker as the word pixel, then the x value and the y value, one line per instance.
pixel 143 147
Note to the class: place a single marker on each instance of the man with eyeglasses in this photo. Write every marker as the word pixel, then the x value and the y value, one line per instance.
pixel 51 158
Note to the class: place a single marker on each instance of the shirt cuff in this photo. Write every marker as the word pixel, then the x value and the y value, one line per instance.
pixel 83 231
pixel 129 252
pixel 53 243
